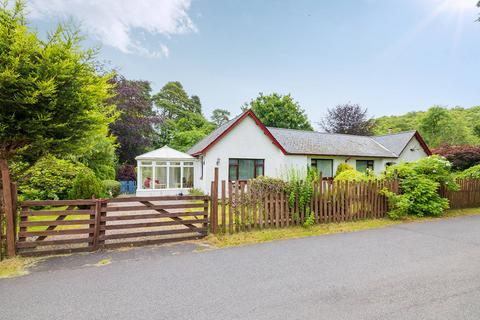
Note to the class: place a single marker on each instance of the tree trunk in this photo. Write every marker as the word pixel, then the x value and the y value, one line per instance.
pixel 8 206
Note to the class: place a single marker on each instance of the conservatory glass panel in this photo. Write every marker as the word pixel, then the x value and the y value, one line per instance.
pixel 147 177
pixel 160 177
pixel 187 177
pixel 175 178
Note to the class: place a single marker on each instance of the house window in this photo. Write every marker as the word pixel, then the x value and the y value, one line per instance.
pixel 245 169
pixel 363 165
pixel 323 166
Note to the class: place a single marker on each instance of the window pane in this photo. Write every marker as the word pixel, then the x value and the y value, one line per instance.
pixel 174 163
pixel 174 181
pixel 188 177
pixel 232 173
pixel 324 166
pixel 361 165
pixel 259 171
pixel 161 163
pixel 245 170
pixel 233 161
pixel 259 162
pixel 146 163
pixel 160 178
pixel 147 177
pixel 188 163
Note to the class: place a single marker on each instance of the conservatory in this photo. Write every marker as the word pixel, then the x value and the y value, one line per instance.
pixel 165 171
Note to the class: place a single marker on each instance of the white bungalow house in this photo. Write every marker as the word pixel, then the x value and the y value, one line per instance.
pixel 244 148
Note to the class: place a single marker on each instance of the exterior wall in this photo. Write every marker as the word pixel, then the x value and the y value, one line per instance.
pixel 245 141
pixel 408 155
pixel 161 192
pixel 378 164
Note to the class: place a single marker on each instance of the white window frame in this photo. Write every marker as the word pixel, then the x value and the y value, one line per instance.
pixel 168 165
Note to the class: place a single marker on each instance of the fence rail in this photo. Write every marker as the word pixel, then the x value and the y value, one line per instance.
pixel 467 196
pixel 241 208
pixel 66 226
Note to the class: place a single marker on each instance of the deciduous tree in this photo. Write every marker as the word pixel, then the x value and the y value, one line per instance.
pixel 220 116
pixel 134 129
pixel 348 119
pixel 279 111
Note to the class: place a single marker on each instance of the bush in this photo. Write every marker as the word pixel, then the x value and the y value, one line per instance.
pixel 470 173
pixel 86 185
pixel 195 192
pixel 461 157
pixel 419 185
pixel 343 167
pixel 49 179
pixel 351 175
pixel 126 172
pixel 111 188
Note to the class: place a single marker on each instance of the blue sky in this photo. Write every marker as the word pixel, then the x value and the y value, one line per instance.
pixel 391 56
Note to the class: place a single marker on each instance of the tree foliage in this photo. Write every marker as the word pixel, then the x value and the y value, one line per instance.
pixel 438 125
pixel 279 111
pixel 348 119
pixel 220 116
pixel 134 129
pixel 52 97
pixel 183 122
pixel 461 157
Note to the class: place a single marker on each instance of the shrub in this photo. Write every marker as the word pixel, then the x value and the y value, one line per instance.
pixel 195 192
pixel 86 185
pixel 343 167
pixel 419 185
pixel 126 172
pixel 351 175
pixel 104 172
pixel 49 179
pixel 263 185
pixel 461 157
pixel 470 173
pixel 111 188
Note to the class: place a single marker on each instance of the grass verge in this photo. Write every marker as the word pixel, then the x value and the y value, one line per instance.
pixel 15 267
pixel 266 235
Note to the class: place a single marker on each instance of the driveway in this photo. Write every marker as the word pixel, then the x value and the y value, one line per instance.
pixel 413 271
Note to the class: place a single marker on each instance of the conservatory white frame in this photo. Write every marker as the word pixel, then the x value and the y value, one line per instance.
pixel 168 164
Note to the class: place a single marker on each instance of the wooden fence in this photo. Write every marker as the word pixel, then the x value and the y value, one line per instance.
pixel 240 208
pixel 467 196
pixel 65 226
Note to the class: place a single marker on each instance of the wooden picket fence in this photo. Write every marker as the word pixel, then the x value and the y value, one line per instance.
pixel 468 195
pixel 239 208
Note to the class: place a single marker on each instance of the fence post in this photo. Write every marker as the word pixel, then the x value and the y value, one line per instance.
pixel 8 208
pixel 96 234
pixel 214 203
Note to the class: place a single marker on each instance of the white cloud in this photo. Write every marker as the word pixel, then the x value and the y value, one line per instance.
pixel 114 22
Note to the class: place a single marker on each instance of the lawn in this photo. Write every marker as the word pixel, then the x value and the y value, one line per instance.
pixel 53 218
pixel 265 235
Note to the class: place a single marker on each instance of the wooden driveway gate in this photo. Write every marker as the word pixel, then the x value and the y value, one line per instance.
pixel 65 226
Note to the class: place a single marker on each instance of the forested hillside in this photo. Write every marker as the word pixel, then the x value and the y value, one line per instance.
pixel 438 125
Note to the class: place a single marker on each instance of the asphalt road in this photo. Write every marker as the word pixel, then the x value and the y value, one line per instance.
pixel 414 271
